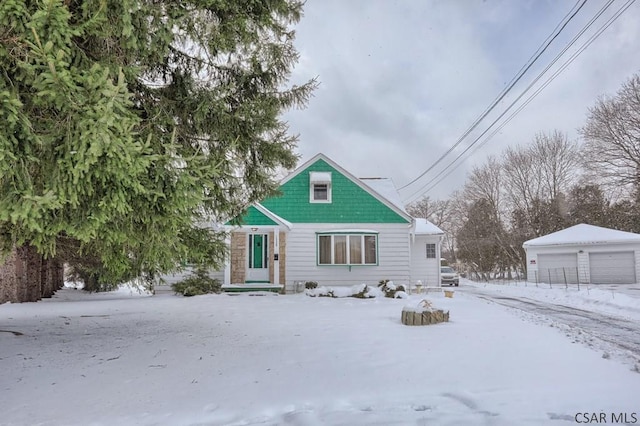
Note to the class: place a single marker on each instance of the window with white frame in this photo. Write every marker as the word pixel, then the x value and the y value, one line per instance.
pixel 320 187
pixel 347 249
pixel 431 251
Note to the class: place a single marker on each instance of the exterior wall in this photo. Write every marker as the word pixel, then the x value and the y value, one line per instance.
pixel 238 257
pixel 349 202
pixel 179 276
pixel 283 258
pixel 425 270
pixel 393 256
pixel 582 251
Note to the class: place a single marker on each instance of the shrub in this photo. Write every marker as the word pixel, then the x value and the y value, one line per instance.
pixel 310 285
pixel 390 289
pixel 363 294
pixel 196 284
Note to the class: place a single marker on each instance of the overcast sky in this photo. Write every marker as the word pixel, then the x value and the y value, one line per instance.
pixel 401 81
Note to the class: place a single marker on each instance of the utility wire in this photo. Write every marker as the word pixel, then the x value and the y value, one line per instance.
pixel 536 55
pixel 581 49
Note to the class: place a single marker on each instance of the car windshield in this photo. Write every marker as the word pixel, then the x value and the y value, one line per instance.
pixel 447 269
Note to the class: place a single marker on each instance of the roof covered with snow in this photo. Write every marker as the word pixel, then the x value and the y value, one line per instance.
pixel 387 189
pixel 424 227
pixel 584 234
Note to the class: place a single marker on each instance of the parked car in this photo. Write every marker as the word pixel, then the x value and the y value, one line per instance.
pixel 449 276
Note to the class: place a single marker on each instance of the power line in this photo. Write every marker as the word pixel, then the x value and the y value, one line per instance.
pixel 581 49
pixel 536 55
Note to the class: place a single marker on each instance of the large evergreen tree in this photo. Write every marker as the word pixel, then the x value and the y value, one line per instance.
pixel 130 124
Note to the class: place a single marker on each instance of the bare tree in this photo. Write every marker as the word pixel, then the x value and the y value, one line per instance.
pixel 612 136
pixel 485 183
pixel 523 178
pixel 443 214
pixel 422 208
pixel 558 161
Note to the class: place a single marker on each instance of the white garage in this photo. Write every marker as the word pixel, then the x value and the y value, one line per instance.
pixel 584 254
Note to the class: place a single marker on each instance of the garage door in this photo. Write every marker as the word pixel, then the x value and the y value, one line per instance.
pixel 612 268
pixel 558 268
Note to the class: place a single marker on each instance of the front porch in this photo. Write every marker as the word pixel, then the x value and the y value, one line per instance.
pixel 257 252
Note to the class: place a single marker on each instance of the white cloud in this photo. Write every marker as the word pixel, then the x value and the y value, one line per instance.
pixel 401 81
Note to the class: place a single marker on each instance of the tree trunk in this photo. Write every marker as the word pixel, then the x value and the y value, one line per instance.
pixel 26 277
pixel 30 275
pixel 8 283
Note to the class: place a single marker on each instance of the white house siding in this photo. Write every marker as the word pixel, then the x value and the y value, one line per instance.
pixel 393 256
pixel 179 276
pixel 422 269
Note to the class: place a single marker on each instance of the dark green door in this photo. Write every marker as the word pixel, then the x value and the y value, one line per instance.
pixel 257 249
pixel 258 245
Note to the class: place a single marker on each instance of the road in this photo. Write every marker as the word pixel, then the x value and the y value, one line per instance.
pixel 620 333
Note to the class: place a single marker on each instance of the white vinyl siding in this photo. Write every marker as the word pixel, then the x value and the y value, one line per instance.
pixel 393 255
pixel 612 267
pixel 424 269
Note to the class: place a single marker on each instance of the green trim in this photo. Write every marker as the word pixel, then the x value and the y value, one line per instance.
pixel 253 289
pixel 318 234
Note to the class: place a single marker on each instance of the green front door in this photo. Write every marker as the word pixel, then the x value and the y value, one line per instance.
pixel 257 249
pixel 258 258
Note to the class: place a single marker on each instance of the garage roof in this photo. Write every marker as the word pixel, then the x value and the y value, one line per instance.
pixel 583 234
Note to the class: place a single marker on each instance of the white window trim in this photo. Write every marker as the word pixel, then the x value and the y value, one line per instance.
pixel 312 193
pixel 435 250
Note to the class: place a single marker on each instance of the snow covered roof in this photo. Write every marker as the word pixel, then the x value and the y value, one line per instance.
pixel 386 188
pixel 424 227
pixel 583 234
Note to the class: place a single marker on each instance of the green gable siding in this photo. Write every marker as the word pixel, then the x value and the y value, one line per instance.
pixel 350 203
pixel 252 217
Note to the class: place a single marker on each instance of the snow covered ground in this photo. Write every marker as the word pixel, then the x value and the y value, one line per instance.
pixel 123 358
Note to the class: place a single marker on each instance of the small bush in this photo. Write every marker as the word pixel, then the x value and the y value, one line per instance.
pixel 196 284
pixel 391 290
pixel 364 293
pixel 310 285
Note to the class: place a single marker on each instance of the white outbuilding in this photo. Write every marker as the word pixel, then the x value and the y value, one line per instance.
pixel 584 254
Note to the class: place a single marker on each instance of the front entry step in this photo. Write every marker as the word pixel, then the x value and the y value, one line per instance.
pixel 249 287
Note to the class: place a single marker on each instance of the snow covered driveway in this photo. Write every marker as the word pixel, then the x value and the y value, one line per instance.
pixel 622 333
pixel 123 359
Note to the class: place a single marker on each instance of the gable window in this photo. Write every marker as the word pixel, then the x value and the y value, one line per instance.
pixel 431 251
pixel 320 187
pixel 320 192
pixel 347 249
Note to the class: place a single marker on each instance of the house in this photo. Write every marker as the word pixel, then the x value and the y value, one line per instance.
pixel 584 254
pixel 335 229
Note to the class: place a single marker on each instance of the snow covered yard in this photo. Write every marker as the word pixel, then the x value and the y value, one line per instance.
pixel 121 358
